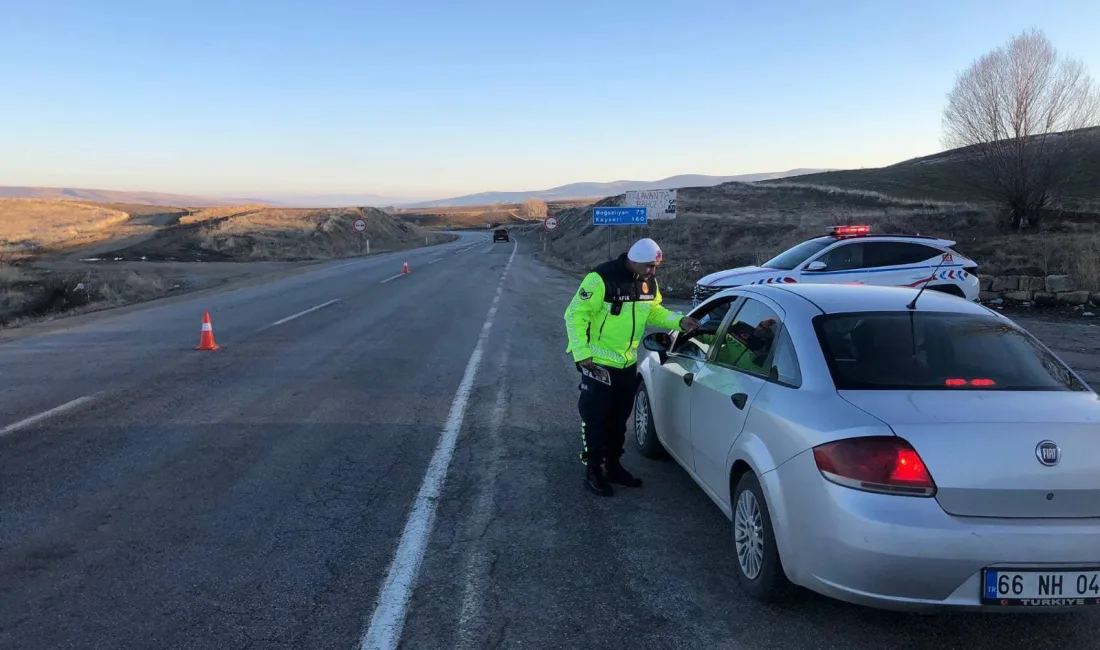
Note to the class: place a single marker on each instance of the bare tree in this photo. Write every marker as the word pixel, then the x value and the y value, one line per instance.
pixel 1019 110
pixel 533 209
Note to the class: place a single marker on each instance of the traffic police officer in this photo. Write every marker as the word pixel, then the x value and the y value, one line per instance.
pixel 605 322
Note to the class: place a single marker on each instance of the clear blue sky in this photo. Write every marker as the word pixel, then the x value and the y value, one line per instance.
pixel 243 97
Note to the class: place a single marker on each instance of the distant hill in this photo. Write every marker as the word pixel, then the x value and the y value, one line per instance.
pixel 570 191
pixel 939 176
pixel 336 200
pixel 600 190
pixel 112 196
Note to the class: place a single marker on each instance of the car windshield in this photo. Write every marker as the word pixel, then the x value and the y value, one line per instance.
pixel 792 257
pixel 936 351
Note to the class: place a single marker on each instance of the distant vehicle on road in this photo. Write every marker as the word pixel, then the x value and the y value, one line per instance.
pixel 851 254
pixel 500 234
pixel 909 459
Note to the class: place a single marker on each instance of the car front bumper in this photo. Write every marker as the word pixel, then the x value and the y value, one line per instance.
pixel 906 553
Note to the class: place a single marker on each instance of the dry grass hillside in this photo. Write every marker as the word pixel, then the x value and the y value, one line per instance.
pixel 939 176
pixel 739 224
pixel 258 233
pixel 62 256
pixel 33 226
pixel 111 196
pixel 31 293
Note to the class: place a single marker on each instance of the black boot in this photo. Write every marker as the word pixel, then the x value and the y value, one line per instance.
pixel 594 480
pixel 616 473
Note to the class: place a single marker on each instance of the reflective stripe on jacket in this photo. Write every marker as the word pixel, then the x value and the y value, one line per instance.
pixel 607 317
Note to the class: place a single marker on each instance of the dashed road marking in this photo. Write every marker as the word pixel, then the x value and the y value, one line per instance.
pixel 57 410
pixel 303 313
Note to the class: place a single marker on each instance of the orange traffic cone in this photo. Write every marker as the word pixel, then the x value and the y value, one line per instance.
pixel 405 269
pixel 206 341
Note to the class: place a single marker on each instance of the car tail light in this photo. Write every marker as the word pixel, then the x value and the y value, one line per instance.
pixel 883 464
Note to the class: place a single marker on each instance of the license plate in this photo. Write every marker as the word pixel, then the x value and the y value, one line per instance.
pixel 1041 587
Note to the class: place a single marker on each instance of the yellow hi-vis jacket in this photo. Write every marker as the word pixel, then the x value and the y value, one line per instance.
pixel 607 317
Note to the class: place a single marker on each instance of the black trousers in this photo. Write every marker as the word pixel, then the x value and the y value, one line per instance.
pixel 604 412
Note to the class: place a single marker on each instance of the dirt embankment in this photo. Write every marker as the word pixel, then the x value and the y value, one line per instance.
pixel 267 234
pixel 31 227
pixel 508 215
pixel 59 257
pixel 738 224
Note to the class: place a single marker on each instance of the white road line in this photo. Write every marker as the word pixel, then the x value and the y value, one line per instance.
pixel 303 313
pixel 479 559
pixel 435 260
pixel 392 605
pixel 363 260
pixel 57 410
pixel 392 278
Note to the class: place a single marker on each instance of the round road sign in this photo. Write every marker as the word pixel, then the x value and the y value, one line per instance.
pixel 360 225
pixel 550 223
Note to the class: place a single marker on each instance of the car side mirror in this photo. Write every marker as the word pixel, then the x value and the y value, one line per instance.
pixel 816 265
pixel 659 342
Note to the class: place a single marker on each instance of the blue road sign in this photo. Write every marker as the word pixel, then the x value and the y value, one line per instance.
pixel 620 217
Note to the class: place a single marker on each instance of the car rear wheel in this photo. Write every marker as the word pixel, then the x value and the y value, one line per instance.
pixel 645 433
pixel 759 569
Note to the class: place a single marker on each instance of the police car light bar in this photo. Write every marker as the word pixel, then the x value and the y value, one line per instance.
pixel 849 231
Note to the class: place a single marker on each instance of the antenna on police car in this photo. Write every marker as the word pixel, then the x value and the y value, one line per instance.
pixel 913 304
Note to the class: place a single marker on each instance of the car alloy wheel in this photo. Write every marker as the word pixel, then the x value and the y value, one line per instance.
pixel 760 569
pixel 748 537
pixel 641 417
pixel 645 434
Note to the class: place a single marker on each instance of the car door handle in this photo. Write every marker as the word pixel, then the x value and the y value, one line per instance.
pixel 739 400
pixel 688 378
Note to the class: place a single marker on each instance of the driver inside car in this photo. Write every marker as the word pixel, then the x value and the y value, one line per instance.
pixel 747 347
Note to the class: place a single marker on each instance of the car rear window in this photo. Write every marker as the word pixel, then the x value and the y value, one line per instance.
pixel 936 351
pixel 792 257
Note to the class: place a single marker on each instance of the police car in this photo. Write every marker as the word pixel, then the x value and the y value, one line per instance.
pixel 853 255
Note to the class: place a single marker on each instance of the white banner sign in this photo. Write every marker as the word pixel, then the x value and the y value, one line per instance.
pixel 660 204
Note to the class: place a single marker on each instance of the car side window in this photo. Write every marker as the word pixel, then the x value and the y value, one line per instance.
pixel 845 257
pixel 697 343
pixel 897 253
pixel 747 342
pixel 784 364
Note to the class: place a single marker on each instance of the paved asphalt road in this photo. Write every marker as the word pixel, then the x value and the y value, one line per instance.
pixel 254 497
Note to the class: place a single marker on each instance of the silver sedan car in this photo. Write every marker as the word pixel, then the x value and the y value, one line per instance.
pixel 903 456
